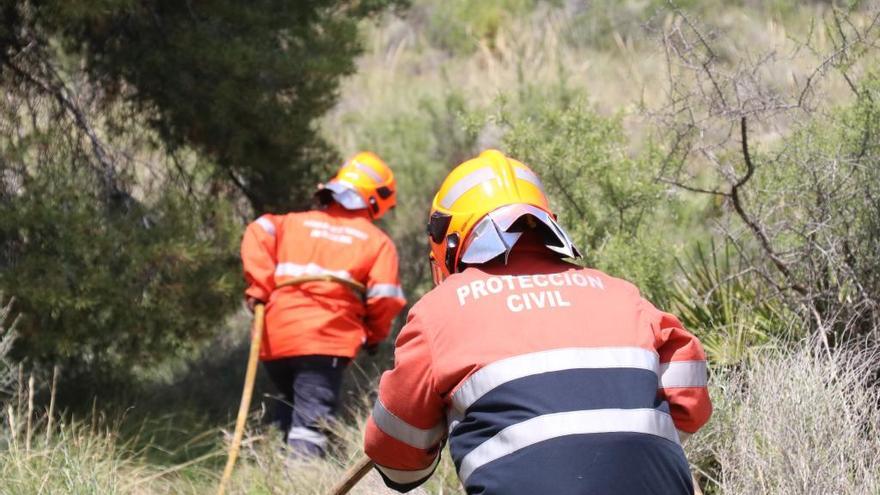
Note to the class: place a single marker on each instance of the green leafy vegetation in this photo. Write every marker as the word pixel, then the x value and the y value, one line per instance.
pixel 729 309
pixel 99 288
pixel 606 198
pixel 462 26
pixel 134 137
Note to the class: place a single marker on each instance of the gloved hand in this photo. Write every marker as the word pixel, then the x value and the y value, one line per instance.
pixel 371 349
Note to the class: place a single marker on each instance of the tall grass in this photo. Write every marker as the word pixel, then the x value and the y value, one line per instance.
pixel 788 421
pixel 39 455
pixel 266 468
pixel 794 421
pixel 44 452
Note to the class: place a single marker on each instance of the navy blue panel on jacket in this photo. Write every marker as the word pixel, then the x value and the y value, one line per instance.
pixel 595 464
pixel 575 430
pixel 547 393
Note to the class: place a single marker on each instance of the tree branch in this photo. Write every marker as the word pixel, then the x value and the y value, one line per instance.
pixel 756 228
pixel 59 92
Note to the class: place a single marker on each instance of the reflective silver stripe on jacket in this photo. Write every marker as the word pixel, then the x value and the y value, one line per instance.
pixel 549 426
pixel 401 430
pixel 308 270
pixel 405 477
pixel 267 225
pixel 512 368
pixel 386 290
pixel 684 374
pixel 465 184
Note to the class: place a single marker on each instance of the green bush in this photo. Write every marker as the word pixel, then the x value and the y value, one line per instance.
pixel 421 143
pixel 459 26
pixel 605 197
pixel 131 133
pixel 815 196
pixel 243 83
pixel 118 284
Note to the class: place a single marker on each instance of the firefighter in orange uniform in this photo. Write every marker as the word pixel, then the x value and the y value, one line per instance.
pixel 329 280
pixel 544 377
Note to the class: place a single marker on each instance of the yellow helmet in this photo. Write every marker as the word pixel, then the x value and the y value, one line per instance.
pixel 363 182
pixel 475 216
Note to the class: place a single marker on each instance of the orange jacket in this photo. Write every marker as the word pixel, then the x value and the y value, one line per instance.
pixel 326 318
pixel 540 374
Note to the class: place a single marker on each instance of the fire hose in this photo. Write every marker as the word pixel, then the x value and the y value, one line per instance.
pixel 251 372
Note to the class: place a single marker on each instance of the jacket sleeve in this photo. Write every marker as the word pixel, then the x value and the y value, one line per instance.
pixel 683 372
pixel 258 256
pixel 406 430
pixel 384 295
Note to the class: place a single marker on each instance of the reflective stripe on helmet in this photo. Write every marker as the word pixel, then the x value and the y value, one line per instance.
pixel 369 171
pixel 467 183
pixel 529 176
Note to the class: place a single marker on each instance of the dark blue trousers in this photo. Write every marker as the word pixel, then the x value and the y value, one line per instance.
pixel 309 386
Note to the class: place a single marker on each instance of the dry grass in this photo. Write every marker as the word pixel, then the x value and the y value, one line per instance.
pixel 795 422
pixel 788 422
pixel 91 457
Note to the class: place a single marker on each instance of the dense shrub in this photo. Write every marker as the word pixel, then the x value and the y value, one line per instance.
pixel 816 195
pixel 460 26
pixel 131 135
pixel 729 308
pixel 605 196
pixel 241 83
pixel 792 167
pixel 114 286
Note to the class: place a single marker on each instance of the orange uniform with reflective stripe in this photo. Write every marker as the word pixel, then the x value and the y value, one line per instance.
pixel 540 369
pixel 321 317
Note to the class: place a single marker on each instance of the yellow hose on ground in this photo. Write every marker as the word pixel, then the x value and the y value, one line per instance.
pixel 251 373
pixel 697 490
pixel 249 378
pixel 354 474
